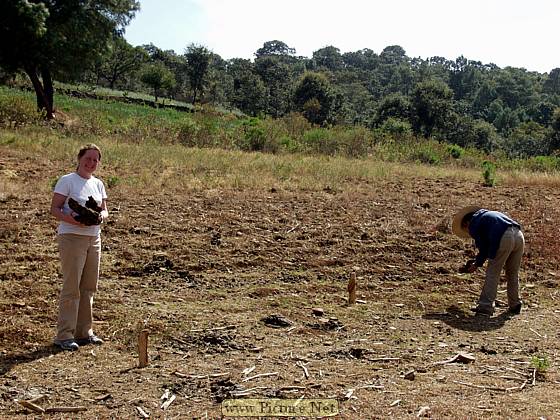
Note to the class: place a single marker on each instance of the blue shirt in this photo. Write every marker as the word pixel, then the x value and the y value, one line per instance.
pixel 487 228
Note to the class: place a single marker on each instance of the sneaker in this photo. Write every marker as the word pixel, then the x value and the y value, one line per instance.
pixel 92 339
pixel 516 309
pixel 67 345
pixel 482 311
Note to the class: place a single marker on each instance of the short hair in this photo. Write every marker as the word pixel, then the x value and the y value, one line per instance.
pixel 87 147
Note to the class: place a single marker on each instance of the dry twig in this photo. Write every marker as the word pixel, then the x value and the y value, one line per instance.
pixel 305 371
pixel 29 405
pixel 226 327
pixel 260 375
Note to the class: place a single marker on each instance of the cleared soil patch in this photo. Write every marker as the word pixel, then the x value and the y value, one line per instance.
pixel 229 280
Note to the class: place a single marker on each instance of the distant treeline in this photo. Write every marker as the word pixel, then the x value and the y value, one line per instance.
pixel 459 101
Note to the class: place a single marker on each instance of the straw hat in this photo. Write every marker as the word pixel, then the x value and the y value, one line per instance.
pixel 458 218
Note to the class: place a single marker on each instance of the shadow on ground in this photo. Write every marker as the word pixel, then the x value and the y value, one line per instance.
pixel 457 318
pixel 9 361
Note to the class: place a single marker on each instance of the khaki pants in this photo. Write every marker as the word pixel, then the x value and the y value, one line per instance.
pixel 508 256
pixel 79 256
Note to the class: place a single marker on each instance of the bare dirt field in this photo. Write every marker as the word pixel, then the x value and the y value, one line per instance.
pixel 244 296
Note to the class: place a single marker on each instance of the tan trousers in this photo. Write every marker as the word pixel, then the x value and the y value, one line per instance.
pixel 508 256
pixel 80 257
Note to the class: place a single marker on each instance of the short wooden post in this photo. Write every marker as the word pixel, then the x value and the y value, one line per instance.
pixel 352 289
pixel 143 349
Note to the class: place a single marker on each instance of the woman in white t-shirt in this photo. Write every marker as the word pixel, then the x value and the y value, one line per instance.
pixel 79 248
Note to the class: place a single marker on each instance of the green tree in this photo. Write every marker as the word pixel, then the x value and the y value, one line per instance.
pixel 198 60
pixel 483 97
pixel 46 38
pixel 365 59
pixel 395 106
pixel 393 54
pixel 516 87
pixel 276 75
pixel 176 63
pixel 465 78
pixel 552 82
pixel 554 141
pixel 329 58
pixel 313 97
pixel 120 60
pixel 218 82
pixel 248 90
pixel 158 77
pixel 275 47
pixel 528 139
pixel 431 104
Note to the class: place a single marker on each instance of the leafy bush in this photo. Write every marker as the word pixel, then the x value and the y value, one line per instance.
pixel 396 128
pixel 544 163
pixel 296 124
pixel 427 155
pixel 489 173
pixel 17 110
pixel 254 138
pixel 289 144
pixel 319 140
pixel 527 140
pixel 355 141
pixel 456 152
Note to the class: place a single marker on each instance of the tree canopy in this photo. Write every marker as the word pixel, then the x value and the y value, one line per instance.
pixel 58 37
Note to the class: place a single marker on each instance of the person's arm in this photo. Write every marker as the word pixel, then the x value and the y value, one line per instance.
pixel 482 253
pixel 57 204
pixel 478 229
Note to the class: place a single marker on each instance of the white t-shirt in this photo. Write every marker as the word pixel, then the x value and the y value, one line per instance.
pixel 73 185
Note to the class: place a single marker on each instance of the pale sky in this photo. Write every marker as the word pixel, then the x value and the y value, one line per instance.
pixel 516 33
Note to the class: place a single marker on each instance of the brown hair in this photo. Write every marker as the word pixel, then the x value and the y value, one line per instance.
pixel 85 148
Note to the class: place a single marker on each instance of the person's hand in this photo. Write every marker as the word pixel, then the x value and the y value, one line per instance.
pixel 70 218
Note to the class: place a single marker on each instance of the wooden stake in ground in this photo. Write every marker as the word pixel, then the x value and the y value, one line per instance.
pixel 352 289
pixel 143 349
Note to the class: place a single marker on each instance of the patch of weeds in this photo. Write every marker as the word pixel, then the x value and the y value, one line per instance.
pixel 489 173
pixel 544 163
pixel 541 364
pixel 113 181
pixel 188 132
pixel 289 145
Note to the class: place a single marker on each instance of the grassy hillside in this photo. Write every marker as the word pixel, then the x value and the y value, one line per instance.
pixel 157 149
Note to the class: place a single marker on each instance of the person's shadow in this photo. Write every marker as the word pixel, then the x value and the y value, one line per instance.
pixel 9 361
pixel 457 318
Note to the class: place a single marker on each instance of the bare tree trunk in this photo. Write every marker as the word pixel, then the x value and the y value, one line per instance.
pixel 49 90
pixel 42 100
pixel 194 96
